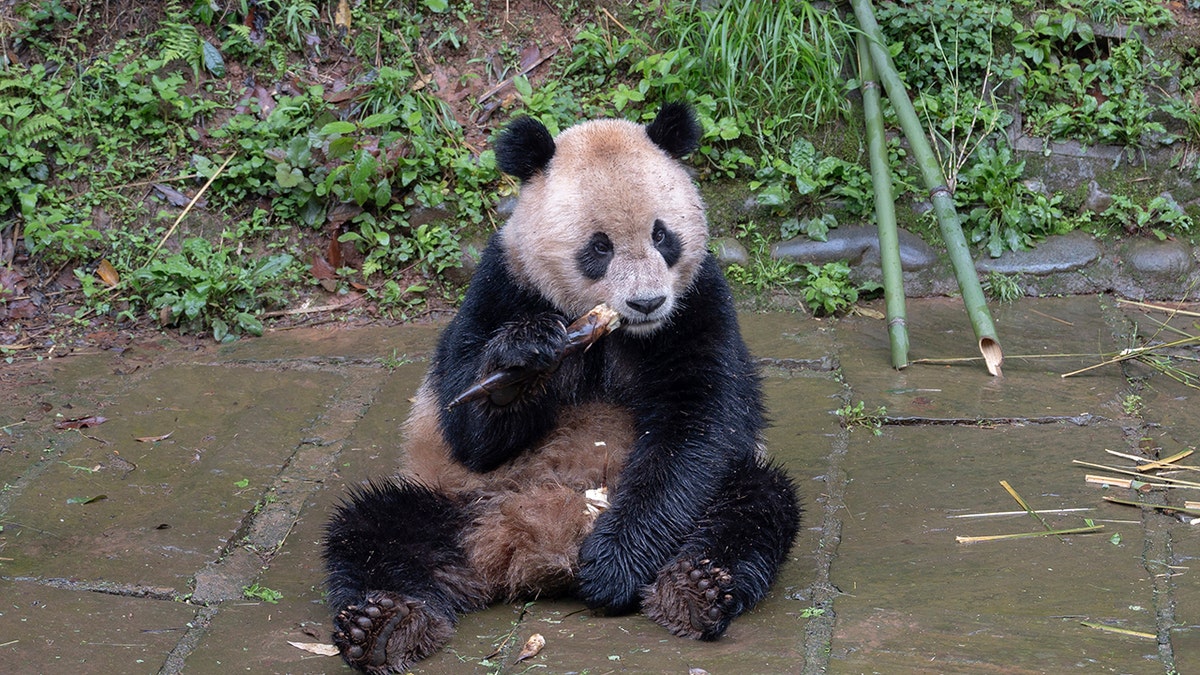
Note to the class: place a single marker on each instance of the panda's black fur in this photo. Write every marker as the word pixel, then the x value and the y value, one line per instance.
pixel 665 413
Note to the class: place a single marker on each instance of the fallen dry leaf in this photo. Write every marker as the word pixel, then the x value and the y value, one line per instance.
pixel 532 647
pixel 108 273
pixel 81 422
pixel 315 648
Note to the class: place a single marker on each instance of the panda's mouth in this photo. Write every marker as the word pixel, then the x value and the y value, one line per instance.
pixel 640 326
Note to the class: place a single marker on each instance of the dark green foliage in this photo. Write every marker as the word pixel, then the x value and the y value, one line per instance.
pixel 1002 212
pixel 208 288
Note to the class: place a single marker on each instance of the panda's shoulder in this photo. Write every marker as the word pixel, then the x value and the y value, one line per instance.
pixel 493 295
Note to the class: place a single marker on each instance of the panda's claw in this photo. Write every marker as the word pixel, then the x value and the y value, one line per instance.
pixel 692 599
pixel 387 632
pixel 504 385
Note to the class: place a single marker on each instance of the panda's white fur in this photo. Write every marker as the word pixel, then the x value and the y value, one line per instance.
pixel 607 176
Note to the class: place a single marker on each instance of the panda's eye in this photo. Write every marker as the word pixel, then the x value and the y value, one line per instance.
pixel 594 256
pixel 667 243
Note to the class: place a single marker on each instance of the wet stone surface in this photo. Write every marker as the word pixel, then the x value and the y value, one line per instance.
pixel 127 556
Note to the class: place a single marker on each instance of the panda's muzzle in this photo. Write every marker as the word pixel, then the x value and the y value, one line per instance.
pixel 646 306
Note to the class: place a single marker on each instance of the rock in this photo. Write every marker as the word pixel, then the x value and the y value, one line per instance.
pixel 857 244
pixel 472 250
pixel 1168 260
pixel 1062 253
pixel 729 251
pixel 1097 200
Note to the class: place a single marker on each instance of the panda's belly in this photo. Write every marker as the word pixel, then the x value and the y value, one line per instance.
pixel 529 515
pixel 586 451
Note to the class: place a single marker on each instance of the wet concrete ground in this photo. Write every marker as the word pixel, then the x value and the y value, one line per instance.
pixel 120 555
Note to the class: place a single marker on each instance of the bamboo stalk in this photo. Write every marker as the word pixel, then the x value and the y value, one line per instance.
pixel 994 514
pixel 1166 463
pixel 885 210
pixel 939 193
pixel 1136 352
pixel 188 208
pixel 1127 483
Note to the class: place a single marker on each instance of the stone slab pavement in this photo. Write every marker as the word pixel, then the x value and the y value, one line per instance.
pixel 182 533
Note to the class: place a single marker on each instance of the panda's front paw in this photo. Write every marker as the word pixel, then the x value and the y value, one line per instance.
pixel 533 343
pixel 606 580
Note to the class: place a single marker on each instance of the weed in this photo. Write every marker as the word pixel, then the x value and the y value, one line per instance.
pixel 1076 86
pixel 1002 287
pixel 261 593
pixel 856 416
pixel 805 177
pixel 1132 405
pixel 205 288
pixel 395 361
pixel 764 270
pixel 827 288
pixel 1160 217
pixel 783 56
pixel 1002 212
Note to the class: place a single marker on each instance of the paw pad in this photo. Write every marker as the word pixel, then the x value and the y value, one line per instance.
pixel 361 632
pixel 692 599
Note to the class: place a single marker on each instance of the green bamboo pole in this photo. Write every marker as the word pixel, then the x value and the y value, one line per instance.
pixel 885 210
pixel 939 193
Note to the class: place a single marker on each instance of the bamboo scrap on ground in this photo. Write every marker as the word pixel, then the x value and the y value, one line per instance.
pixel 1026 535
pixel 1049 531
pixel 1165 463
pixel 1172 482
pixel 1122 631
pixel 1142 479
pixel 1186 514
pixel 1151 354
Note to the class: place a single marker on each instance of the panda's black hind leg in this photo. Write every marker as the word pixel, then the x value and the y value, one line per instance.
pixel 397 578
pixel 727 565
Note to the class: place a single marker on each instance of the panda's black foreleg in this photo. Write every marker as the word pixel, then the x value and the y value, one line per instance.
pixel 397 578
pixel 727 565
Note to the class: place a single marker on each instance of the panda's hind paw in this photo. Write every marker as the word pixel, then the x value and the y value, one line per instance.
pixel 386 633
pixel 692 598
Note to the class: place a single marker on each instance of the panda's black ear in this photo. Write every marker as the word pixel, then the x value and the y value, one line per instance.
pixel 675 130
pixel 524 148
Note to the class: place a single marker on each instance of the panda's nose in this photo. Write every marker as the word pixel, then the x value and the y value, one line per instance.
pixel 646 305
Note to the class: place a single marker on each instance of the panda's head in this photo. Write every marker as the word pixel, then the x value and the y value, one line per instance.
pixel 606 214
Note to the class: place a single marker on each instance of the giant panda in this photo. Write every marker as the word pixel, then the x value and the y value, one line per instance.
pixel 665 413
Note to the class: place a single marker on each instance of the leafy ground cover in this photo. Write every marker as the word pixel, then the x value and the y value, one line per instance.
pixel 213 167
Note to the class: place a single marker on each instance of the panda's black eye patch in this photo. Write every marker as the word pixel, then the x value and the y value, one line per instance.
pixel 667 243
pixel 594 257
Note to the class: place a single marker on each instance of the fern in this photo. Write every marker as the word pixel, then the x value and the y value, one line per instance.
pixel 180 41
pixel 35 129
